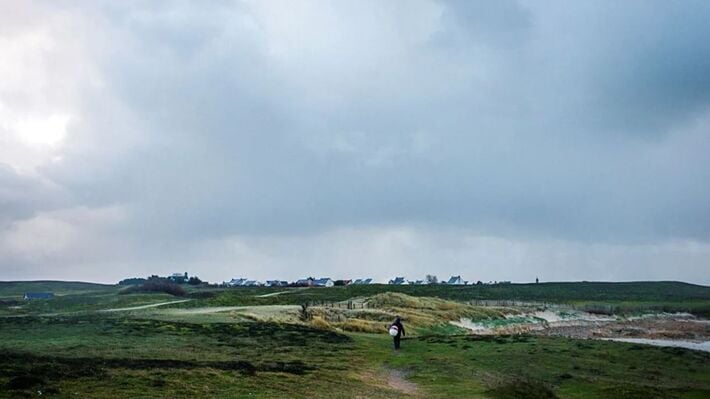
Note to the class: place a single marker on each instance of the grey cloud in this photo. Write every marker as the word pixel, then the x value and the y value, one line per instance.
pixel 23 196
pixel 634 68
pixel 234 149
pixel 584 122
pixel 237 151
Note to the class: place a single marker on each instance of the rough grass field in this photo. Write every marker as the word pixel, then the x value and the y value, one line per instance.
pixel 622 297
pixel 66 348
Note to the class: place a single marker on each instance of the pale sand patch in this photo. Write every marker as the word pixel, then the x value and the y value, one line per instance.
pixel 270 294
pixel 152 305
pixel 396 380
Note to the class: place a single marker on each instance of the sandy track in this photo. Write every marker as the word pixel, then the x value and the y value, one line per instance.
pixel 396 380
pixel 266 309
pixel 271 294
pixel 152 305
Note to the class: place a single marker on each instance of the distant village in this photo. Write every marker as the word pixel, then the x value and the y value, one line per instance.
pixel 184 278
pixel 172 282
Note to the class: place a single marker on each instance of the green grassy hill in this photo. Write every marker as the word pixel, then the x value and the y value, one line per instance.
pixel 618 297
pixel 18 288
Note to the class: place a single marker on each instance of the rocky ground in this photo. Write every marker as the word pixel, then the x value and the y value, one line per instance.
pixel 680 328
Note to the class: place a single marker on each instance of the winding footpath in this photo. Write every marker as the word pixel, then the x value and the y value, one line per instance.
pixel 152 305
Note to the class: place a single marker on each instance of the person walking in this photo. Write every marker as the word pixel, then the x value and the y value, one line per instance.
pixel 399 333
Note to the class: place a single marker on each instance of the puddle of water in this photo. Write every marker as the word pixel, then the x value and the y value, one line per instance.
pixel 699 346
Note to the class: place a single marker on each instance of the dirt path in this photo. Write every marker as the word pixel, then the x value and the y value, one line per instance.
pixel 396 380
pixel 258 310
pixel 271 294
pixel 281 292
pixel 152 305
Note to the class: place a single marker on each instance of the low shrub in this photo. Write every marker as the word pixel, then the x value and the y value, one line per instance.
pixel 25 382
pixel 157 285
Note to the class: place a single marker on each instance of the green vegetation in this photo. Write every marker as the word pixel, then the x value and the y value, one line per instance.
pixel 66 347
pixel 102 356
pixel 15 289
pixel 616 297
pixel 156 285
pixel 596 296
pixel 81 303
pixel 532 367
pixel 74 354
pixel 549 292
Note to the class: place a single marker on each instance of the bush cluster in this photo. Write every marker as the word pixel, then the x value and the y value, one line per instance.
pixel 157 285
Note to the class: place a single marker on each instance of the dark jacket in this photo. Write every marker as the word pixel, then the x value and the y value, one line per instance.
pixel 400 328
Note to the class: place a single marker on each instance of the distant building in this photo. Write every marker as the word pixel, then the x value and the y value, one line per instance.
pixel 362 281
pixel 276 283
pixel 305 282
pixel 236 282
pixel 37 295
pixel 418 282
pixel 456 280
pixel 398 281
pixel 242 282
pixel 178 278
pixel 323 282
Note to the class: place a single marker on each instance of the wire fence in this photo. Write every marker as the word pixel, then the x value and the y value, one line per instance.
pixel 341 305
pixel 511 303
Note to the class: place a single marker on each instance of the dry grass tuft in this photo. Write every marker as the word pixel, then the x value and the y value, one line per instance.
pixel 319 322
pixel 366 326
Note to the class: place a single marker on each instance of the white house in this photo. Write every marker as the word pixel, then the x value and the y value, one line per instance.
pixel 456 280
pixel 324 282
pixel 236 282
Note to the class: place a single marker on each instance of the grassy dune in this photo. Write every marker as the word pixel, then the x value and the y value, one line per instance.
pixel 420 314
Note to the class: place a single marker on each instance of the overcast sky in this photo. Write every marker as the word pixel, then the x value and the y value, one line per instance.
pixel 499 140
